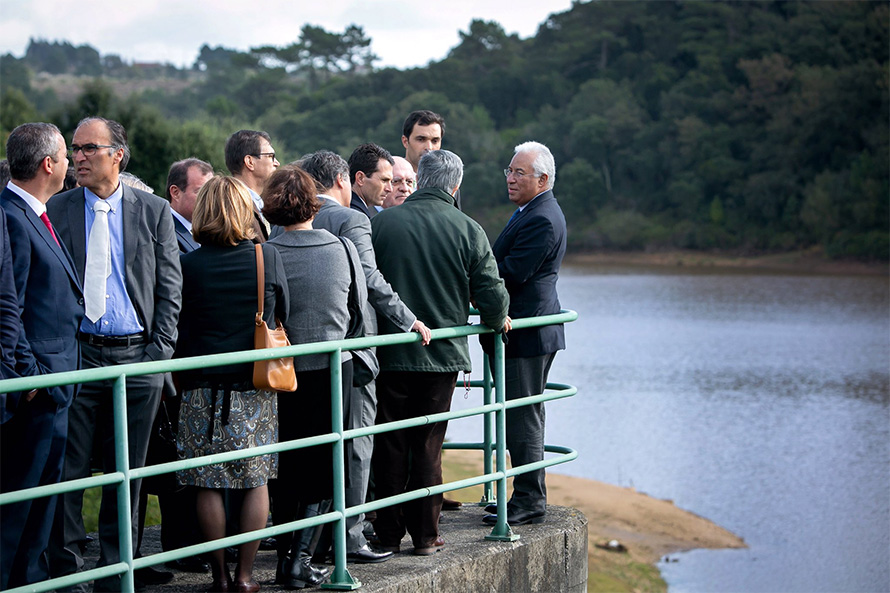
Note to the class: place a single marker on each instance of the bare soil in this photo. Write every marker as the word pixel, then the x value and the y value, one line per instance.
pixel 647 527
pixel 811 261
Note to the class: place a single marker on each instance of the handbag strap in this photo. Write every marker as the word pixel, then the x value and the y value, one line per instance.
pixel 354 330
pixel 260 283
pixel 349 259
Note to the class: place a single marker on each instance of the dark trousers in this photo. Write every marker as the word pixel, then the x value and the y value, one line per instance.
pixel 411 458
pixel 361 413
pixel 525 429
pixel 91 415
pixel 305 475
pixel 32 450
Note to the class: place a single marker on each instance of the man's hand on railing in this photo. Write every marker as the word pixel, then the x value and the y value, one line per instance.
pixel 423 330
pixel 508 324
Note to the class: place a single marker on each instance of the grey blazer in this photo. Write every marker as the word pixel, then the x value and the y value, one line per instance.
pixel 318 279
pixel 154 278
pixel 355 226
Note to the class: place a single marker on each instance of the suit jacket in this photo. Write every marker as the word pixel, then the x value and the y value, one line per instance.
pixel 151 259
pixel 529 252
pixel 184 237
pixel 359 204
pixel 10 320
pixel 219 304
pixel 50 298
pixel 382 300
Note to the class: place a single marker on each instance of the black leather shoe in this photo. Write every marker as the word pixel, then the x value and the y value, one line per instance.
pixel 519 517
pixel 491 509
pixel 368 555
pixel 270 544
pixel 152 576
pixel 190 564
pixel 298 574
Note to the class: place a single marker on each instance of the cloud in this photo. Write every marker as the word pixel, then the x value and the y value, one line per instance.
pixel 404 33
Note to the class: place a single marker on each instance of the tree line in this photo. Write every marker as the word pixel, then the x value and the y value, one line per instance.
pixel 742 126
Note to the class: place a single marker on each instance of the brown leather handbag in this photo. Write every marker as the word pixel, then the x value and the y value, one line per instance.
pixel 275 374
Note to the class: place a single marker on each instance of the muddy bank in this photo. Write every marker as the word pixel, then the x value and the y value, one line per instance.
pixel 811 261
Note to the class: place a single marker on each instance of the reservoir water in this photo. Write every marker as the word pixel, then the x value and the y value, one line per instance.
pixel 759 401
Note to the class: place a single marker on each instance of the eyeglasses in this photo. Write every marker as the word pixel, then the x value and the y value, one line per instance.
pixel 271 155
pixel 88 149
pixel 407 182
pixel 517 175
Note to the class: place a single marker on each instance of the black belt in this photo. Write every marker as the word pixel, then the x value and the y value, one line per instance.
pixel 98 340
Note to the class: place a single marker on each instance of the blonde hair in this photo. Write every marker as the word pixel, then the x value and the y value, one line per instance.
pixel 223 212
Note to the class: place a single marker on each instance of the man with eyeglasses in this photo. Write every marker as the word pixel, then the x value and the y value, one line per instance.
pixel 404 180
pixel 47 309
pixel 251 159
pixel 125 254
pixel 529 252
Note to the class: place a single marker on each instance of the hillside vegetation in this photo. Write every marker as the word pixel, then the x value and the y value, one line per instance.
pixel 741 126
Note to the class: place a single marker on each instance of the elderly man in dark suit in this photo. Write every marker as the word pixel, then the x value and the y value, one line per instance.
pixel 32 442
pixel 529 252
pixel 125 253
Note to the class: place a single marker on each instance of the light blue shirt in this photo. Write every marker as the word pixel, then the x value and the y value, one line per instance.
pixel 120 317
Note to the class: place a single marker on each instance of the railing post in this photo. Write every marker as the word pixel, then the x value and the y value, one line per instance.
pixel 487 431
pixel 501 530
pixel 340 579
pixel 124 512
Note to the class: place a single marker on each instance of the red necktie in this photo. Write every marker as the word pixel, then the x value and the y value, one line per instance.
pixel 49 226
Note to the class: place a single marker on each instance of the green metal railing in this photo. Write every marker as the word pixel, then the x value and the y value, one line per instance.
pixel 494 444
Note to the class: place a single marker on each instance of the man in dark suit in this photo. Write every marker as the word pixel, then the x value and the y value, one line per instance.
pixel 51 307
pixel 529 252
pixel 370 172
pixel 183 182
pixel 125 253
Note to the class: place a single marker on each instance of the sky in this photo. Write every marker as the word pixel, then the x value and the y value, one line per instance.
pixel 404 33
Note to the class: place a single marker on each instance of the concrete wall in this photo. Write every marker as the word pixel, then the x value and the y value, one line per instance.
pixel 548 557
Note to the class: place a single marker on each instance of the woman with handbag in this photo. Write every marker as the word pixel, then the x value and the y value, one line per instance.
pixel 320 274
pixel 221 409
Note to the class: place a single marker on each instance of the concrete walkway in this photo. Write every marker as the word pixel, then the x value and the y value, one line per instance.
pixel 551 556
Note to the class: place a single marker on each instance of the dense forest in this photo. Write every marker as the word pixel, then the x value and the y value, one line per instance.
pixel 739 126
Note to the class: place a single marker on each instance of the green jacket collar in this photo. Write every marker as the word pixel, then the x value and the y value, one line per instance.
pixel 432 193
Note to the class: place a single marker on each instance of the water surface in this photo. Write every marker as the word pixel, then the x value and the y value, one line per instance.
pixel 759 401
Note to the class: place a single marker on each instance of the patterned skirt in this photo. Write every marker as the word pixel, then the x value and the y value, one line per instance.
pixel 218 421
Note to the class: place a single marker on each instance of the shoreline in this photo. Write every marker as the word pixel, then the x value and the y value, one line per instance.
pixel 649 528
pixel 811 261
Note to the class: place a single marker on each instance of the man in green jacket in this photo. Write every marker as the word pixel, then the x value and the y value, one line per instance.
pixel 439 260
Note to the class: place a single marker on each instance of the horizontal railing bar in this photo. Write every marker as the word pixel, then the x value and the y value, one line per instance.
pixel 73 579
pixel 62 487
pixel 213 459
pixel 112 373
pixel 214 360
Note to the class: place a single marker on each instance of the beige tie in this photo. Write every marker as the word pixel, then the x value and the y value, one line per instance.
pixel 98 263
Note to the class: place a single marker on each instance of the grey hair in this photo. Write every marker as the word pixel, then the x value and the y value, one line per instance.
pixel 28 145
pixel 544 163
pixel 324 167
pixel 135 182
pixel 440 168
